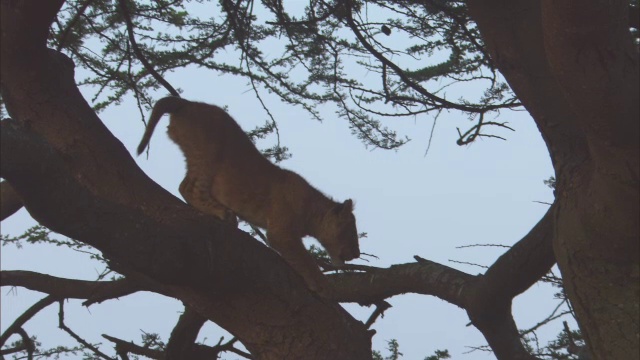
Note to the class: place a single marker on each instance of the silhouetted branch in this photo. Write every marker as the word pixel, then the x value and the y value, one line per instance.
pixel 184 334
pixel 80 340
pixel 93 291
pixel 71 23
pixel 22 319
pixel 27 344
pixel 139 55
pixel 381 307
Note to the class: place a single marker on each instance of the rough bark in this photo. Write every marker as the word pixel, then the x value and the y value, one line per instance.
pixel 10 201
pixel 574 67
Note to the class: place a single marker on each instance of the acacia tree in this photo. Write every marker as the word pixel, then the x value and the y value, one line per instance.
pixel 573 67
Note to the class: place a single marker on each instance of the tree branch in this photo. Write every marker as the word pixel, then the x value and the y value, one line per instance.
pixel 127 347
pixel 184 334
pixel 410 83
pixel 26 345
pixel 22 319
pixel 486 298
pixel 79 339
pixel 523 265
pixel 423 277
pixel 93 291
pixel 136 50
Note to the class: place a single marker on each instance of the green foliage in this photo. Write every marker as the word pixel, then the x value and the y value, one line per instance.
pixel 377 355
pixel 439 354
pixel 394 351
pixel 55 353
pixel 276 153
pixel 39 234
pixel 319 253
pixel 33 235
pixel 555 349
pixel 393 347
pixel 153 341
pixel 550 182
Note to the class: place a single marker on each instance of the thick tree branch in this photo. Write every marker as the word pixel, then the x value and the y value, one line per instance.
pixel 184 334
pixel 523 265
pixel 488 301
pixel 424 277
pixel 515 271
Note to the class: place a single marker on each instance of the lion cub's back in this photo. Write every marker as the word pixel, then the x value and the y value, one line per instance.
pixel 207 130
pixel 215 145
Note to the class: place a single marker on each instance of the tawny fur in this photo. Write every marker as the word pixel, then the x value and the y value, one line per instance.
pixel 226 174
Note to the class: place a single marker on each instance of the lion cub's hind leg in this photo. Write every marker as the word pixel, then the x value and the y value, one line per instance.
pixel 197 192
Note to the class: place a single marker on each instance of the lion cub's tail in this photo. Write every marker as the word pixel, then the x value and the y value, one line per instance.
pixel 169 105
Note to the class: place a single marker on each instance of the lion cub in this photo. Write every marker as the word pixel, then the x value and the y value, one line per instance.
pixel 227 175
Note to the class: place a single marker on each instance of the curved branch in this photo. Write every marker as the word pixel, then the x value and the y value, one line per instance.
pixel 22 319
pixel 423 277
pixel 139 55
pixel 184 335
pixel 524 264
pixel 27 344
pixel 381 307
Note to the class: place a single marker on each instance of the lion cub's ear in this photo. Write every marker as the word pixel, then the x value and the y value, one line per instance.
pixel 348 205
pixel 343 209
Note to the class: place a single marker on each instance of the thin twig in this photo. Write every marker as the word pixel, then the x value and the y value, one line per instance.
pixel 138 53
pixel 80 340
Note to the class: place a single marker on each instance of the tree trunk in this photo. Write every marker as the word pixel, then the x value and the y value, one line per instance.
pixel 575 68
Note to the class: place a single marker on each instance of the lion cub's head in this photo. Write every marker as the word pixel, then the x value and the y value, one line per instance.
pixel 340 237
